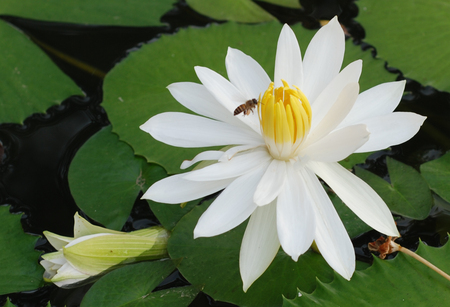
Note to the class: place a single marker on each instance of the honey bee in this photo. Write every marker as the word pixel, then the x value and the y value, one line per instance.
pixel 246 107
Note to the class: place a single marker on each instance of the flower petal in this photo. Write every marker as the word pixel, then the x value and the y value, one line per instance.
pixel 246 74
pixel 323 59
pixel 321 106
pixel 198 99
pixel 229 154
pixel 233 206
pixel 227 94
pixel 391 129
pixel 295 216
pixel 357 195
pixel 377 101
pixel 336 113
pixel 331 237
pixel 288 61
pixel 175 189
pixel 235 167
pixel 186 130
pixel 337 145
pixel 271 183
pixel 210 155
pixel 259 245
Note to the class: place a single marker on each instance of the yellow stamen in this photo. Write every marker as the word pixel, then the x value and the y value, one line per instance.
pixel 285 118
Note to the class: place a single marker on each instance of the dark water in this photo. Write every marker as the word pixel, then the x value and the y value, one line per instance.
pixel 35 157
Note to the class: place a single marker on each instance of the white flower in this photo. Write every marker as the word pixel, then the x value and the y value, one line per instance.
pixel 95 250
pixel 308 120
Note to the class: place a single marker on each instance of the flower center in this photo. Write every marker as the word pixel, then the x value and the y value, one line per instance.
pixel 285 118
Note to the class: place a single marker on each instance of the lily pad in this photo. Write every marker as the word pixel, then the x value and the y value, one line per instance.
pixel 354 159
pixel 406 34
pixel 233 10
pixel 105 178
pixel 295 4
pixel 407 194
pixel 31 82
pixel 19 269
pixel 95 12
pixel 223 281
pixel 386 283
pixel 132 285
pixel 135 89
pixel 437 174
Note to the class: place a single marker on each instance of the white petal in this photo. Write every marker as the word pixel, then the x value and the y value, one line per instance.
pixel 229 154
pixel 175 189
pixel 323 103
pixel 288 61
pixel 336 113
pixel 337 145
pixel 392 129
pixel 210 155
pixel 357 195
pixel 186 130
pixel 259 245
pixel 331 237
pixel 68 275
pixel 235 167
pixel 57 241
pixel 377 101
pixel 227 94
pixel 233 206
pixel 246 74
pixel 197 98
pixel 323 59
pixel 295 216
pixel 271 183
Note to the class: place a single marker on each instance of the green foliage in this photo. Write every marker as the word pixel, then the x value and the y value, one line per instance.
pixel 31 82
pixel 233 10
pixel 133 94
pixel 105 178
pixel 437 174
pixel 95 12
pixel 354 159
pixel 132 285
pixel 19 266
pixel 401 281
pixel 406 33
pixel 407 194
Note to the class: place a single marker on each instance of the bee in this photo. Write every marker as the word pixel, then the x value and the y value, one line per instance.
pixel 246 107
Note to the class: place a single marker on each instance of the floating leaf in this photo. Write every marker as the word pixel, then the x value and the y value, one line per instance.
pixel 295 4
pixel 132 285
pixel 407 194
pixel 105 178
pixel 213 263
pixel 96 12
pixel 437 174
pixel 386 283
pixel 31 82
pixel 19 266
pixel 354 159
pixel 135 89
pixel 405 34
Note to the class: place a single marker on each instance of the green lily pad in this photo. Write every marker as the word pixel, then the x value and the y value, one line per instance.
pixel 407 194
pixel 386 283
pixel 233 10
pixel 295 4
pixel 354 159
pixel 437 174
pixel 95 12
pixel 411 36
pixel 213 264
pixel 132 285
pixel 31 82
pixel 105 178
pixel 132 94
pixel 19 266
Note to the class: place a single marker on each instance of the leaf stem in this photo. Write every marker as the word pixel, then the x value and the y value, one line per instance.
pixel 420 259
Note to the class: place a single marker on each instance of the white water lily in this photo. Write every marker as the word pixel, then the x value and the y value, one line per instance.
pixel 96 250
pixel 310 118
